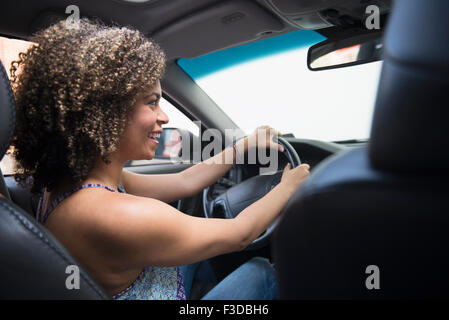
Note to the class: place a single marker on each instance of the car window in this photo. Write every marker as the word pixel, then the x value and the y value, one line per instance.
pixel 268 82
pixel 9 52
pixel 177 119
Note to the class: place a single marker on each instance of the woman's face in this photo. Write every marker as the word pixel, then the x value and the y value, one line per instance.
pixel 144 126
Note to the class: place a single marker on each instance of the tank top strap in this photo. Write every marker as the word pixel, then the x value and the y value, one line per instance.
pixel 58 200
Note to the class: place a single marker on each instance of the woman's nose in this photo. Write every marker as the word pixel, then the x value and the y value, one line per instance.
pixel 162 117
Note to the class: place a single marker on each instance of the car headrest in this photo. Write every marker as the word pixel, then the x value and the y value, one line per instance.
pixel 7 112
pixel 410 123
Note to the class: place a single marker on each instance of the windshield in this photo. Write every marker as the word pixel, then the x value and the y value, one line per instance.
pixel 268 82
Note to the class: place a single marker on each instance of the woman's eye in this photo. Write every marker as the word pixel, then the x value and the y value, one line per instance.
pixel 152 103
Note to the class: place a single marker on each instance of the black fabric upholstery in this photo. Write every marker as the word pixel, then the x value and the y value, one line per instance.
pixel 410 124
pixel 21 196
pixel 33 263
pixel 386 204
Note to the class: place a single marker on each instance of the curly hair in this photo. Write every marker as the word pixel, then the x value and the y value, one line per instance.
pixel 74 91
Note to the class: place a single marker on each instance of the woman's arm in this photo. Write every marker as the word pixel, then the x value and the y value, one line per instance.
pixel 175 186
pixel 140 231
pixel 172 187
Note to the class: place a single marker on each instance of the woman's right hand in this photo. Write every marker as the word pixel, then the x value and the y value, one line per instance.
pixel 294 177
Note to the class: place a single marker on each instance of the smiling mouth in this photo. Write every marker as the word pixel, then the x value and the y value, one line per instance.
pixel 154 136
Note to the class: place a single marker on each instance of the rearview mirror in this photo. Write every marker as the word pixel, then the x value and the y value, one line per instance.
pixel 331 54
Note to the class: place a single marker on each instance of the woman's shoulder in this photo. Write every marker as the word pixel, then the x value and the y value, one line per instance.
pixel 79 205
pixel 94 209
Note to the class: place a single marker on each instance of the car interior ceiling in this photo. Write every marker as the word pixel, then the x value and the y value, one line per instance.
pixel 344 187
pixel 175 26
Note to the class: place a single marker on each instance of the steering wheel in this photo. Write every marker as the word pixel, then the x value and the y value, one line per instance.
pixel 231 202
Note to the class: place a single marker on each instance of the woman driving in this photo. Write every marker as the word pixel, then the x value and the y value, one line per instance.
pixel 87 102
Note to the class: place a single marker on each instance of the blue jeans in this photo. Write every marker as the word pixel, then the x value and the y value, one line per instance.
pixel 253 280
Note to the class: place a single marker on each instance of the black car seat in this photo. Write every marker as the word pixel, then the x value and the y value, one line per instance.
pixel 373 223
pixel 21 196
pixel 33 263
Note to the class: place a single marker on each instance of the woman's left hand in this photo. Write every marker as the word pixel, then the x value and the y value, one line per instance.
pixel 262 137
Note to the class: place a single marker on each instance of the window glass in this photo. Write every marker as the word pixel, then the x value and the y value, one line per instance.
pixel 9 52
pixel 268 82
pixel 176 119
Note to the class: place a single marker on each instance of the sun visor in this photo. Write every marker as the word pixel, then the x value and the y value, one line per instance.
pixel 226 24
